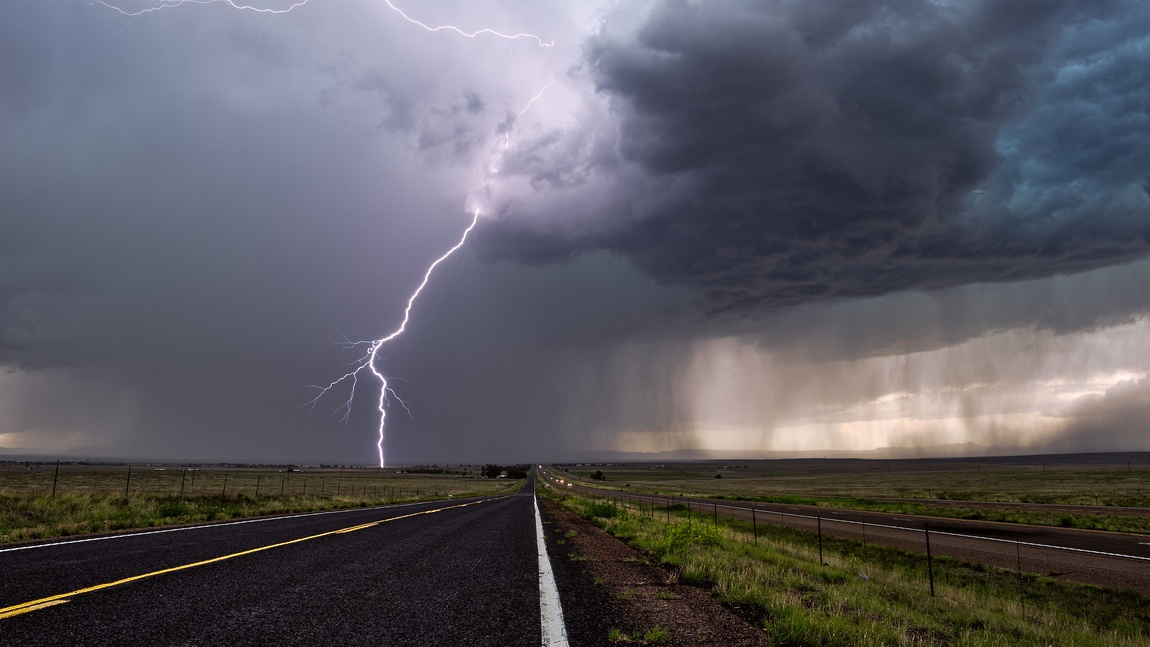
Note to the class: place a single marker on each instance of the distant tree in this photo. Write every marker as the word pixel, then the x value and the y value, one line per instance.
pixel 493 471
pixel 718 476
pixel 598 475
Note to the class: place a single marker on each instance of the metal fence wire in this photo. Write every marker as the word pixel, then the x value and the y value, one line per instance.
pixel 999 545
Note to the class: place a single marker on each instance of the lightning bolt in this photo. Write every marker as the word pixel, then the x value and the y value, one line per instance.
pixel 168 4
pixel 368 361
pixel 507 135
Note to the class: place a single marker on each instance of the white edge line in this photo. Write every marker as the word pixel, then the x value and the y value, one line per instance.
pixel 550 610
pixel 128 535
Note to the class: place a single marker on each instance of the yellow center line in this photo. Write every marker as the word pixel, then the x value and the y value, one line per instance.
pixel 354 528
pixel 52 600
pixel 34 607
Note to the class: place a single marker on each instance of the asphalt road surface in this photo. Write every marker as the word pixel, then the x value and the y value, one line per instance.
pixel 448 573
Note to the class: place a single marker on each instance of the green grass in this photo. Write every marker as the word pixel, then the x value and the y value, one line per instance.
pixel 92 500
pixel 1020 480
pixel 656 635
pixel 617 635
pixel 801 602
pixel 653 636
pixel 868 485
pixel 1112 522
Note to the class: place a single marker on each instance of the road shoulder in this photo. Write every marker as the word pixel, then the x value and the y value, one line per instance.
pixel 610 590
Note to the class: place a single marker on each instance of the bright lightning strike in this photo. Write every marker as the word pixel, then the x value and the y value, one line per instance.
pixel 507 135
pixel 167 4
pixel 369 360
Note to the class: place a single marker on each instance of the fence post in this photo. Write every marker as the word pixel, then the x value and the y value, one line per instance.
pixel 128 484
pixel 258 477
pixel 183 478
pixel 225 492
pixel 282 478
pixel 819 519
pixel 1021 591
pixel 929 560
pixel 754 524
pixel 54 477
pixel 716 514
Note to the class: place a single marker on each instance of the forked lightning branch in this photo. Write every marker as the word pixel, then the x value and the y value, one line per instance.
pixel 370 360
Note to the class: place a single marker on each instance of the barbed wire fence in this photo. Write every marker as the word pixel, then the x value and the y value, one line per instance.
pixel 1009 549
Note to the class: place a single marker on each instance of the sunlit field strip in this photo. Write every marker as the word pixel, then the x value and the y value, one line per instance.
pixel 1111 494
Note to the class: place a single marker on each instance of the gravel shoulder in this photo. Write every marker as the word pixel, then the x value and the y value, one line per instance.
pixel 605 585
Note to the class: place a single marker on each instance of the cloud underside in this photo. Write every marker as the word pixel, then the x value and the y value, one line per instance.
pixel 802 198
pixel 771 154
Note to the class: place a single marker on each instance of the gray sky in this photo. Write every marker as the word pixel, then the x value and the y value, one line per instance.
pixel 731 226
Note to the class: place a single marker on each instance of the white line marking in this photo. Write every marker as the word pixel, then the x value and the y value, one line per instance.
pixel 215 525
pixel 550 610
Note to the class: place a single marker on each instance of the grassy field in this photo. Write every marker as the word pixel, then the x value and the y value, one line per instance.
pixel 37 502
pixel 1107 482
pixel 865 594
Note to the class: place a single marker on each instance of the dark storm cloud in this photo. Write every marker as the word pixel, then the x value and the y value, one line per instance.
pixel 195 204
pixel 187 220
pixel 776 153
pixel 1114 420
pixel 916 321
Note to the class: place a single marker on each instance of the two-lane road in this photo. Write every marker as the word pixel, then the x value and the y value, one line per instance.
pixel 458 573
